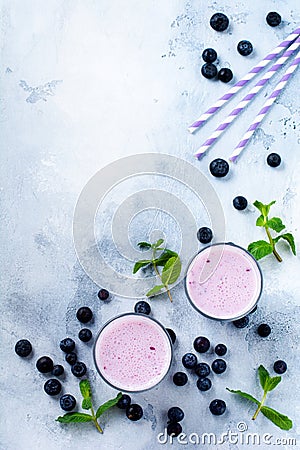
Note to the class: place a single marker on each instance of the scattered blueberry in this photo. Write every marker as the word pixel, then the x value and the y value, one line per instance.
pixel 273 19
pixel 67 402
pixel 204 235
pixel 23 348
pixel 172 335
pixel 219 22
pixel 264 330
pixel 52 387
pixel 209 71
pixel 219 366
pixel 71 358
pixel 240 203
pixel 84 314
pixel 203 384
pixel 67 345
pixel 201 344
pixel 103 294
pixel 180 378
pixel 78 369
pixel 241 323
pixel 44 364
pixel 273 160
pixel 175 414
pixel 220 349
pixel 57 370
pixel 142 307
pixel 280 366
pixel 209 55
pixel 219 168
pixel 202 370
pixel 174 429
pixel 217 407
pixel 189 360
pixel 244 48
pixel 85 335
pixel 134 412
pixel 225 75
pixel 124 401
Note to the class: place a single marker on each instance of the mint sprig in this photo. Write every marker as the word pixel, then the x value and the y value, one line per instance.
pixel 168 260
pixel 268 383
pixel 262 248
pixel 79 417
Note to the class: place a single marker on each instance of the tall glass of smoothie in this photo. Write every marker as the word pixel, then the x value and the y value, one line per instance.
pixel 224 282
pixel 133 352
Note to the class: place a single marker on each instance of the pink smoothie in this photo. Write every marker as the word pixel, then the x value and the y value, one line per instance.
pixel 224 282
pixel 133 352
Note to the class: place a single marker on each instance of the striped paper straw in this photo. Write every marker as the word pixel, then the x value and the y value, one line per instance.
pixel 247 99
pixel 265 109
pixel 254 71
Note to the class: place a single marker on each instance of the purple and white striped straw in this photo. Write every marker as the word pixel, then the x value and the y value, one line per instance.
pixel 265 109
pixel 247 99
pixel 253 72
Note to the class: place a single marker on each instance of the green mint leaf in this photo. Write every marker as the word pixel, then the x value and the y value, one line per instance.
pixel 171 270
pixel 260 222
pixel 264 377
pixel 139 264
pixel 155 290
pixel 86 403
pixel 107 405
pixel 164 257
pixel 75 417
pixel 277 418
pixel 276 224
pixel 244 395
pixel 85 389
pixel 289 238
pixel 144 245
pixel 272 383
pixel 157 244
pixel 259 205
pixel 264 209
pixel 259 249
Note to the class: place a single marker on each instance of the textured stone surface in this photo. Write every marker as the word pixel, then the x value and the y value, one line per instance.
pixel 83 84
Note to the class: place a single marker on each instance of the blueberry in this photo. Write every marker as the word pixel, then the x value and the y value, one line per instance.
pixel 175 414
pixel 67 345
pixel 67 402
pixel 240 203
pixel 23 348
pixel 219 366
pixel 225 75
pixel 219 168
pixel 273 160
pixel 103 294
pixel 217 407
pixel 180 378
pixel 280 366
pixel 84 314
pixel 209 55
pixel 241 323
pixel 201 344
pixel 244 48
pixel 52 387
pixel 253 310
pixel 172 335
pixel 273 19
pixel 203 384
pixel 78 369
pixel 85 335
pixel 204 235
pixel 174 429
pixel 57 370
pixel 71 358
pixel 142 307
pixel 124 401
pixel 44 364
pixel 220 349
pixel 134 412
pixel 219 22
pixel 189 360
pixel 264 330
pixel 202 370
pixel 209 71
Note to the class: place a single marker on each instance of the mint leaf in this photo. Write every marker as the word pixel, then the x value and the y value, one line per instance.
pixel 139 264
pixel 157 244
pixel 244 395
pixel 155 290
pixel 171 270
pixel 86 403
pixel 107 405
pixel 276 224
pixel 272 383
pixel 164 257
pixel 277 418
pixel 289 238
pixel 260 222
pixel 75 417
pixel 85 389
pixel 259 205
pixel 264 209
pixel 264 377
pixel 259 249
pixel 144 245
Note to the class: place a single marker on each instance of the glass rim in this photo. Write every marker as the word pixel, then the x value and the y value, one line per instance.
pixel 134 314
pixel 218 319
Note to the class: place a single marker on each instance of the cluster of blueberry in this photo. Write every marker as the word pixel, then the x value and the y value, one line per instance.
pixel 134 411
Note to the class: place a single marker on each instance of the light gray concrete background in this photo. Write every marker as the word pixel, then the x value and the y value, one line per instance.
pixel 84 83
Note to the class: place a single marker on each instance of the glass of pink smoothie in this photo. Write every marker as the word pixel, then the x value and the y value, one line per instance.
pixel 224 282
pixel 133 352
